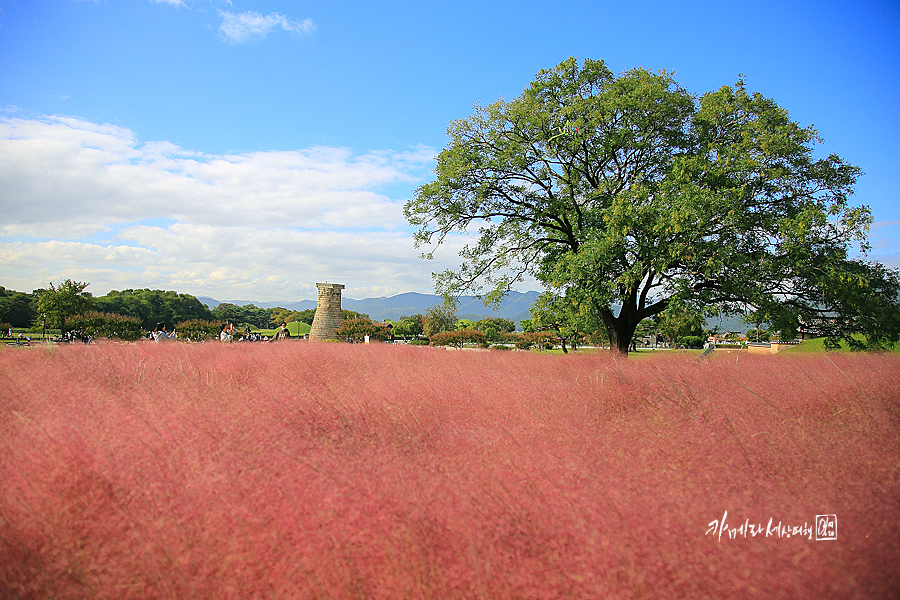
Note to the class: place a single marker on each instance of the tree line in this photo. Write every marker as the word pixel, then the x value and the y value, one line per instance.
pixel 54 307
pixel 67 306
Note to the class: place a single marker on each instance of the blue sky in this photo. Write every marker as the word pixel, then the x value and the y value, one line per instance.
pixel 250 148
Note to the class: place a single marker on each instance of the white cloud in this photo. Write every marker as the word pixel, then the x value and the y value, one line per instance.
pixel 60 173
pixel 242 27
pixel 91 202
pixel 882 224
pixel 178 3
pixel 226 262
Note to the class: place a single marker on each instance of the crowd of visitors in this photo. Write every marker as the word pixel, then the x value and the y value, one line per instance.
pixel 160 333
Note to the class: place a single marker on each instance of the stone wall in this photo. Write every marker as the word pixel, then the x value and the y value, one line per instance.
pixel 328 312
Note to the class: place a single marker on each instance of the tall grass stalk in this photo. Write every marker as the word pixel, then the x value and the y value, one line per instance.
pixel 303 470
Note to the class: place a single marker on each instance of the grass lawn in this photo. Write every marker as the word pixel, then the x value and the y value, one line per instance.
pixel 296 329
pixel 817 345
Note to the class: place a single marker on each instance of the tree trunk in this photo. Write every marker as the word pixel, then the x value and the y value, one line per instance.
pixel 620 330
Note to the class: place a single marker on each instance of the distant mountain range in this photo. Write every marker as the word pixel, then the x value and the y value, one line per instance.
pixel 514 307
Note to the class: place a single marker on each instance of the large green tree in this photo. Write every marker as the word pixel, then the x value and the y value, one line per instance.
pixel 624 193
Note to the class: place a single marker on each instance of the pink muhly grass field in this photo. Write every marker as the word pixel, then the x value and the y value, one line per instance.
pixel 304 470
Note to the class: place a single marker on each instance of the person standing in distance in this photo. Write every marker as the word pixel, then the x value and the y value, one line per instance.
pixel 161 335
pixel 282 333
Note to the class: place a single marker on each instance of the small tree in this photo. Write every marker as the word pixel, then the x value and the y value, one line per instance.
pixel 543 340
pixel 489 329
pixel 62 301
pixel 408 327
pixel 494 328
pixel 439 318
pixel 561 315
pixel 464 325
pixel 679 321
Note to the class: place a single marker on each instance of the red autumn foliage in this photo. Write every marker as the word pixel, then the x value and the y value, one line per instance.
pixel 334 471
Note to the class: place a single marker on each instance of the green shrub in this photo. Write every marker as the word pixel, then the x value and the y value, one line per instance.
pixel 536 339
pixel 356 330
pixel 460 338
pixel 107 325
pixel 196 330
pixel 691 341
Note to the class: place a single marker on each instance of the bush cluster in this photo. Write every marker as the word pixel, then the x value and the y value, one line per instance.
pixel 458 339
pixel 197 330
pixel 544 340
pixel 107 325
pixel 356 330
pixel 691 341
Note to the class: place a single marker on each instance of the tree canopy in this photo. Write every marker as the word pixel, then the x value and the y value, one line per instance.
pixel 153 306
pixel 16 308
pixel 409 326
pixel 439 318
pixel 628 191
pixel 61 302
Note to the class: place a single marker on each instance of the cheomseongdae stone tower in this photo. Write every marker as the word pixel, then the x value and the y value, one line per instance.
pixel 328 312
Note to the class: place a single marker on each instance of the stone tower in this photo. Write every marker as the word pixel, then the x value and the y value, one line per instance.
pixel 328 312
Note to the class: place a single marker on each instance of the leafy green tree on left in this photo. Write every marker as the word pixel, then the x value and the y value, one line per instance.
pixel 62 301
